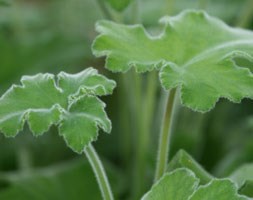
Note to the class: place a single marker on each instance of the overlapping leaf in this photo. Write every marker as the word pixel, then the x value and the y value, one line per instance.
pixel 223 189
pixel 178 185
pixel 182 184
pixel 195 52
pixel 70 101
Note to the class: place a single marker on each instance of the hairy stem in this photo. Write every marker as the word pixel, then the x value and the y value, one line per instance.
pixel 99 172
pixel 104 9
pixel 164 141
pixel 246 15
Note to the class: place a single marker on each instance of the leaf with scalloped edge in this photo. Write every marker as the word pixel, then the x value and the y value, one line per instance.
pixel 66 99
pixel 218 189
pixel 195 53
pixel 182 184
pixel 176 185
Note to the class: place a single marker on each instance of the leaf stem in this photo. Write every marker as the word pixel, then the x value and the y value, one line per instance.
pixel 246 15
pixel 99 172
pixel 104 9
pixel 164 141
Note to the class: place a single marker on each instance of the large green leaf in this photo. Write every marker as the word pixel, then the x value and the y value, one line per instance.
pixel 177 185
pixel 195 52
pixel 69 100
pixel 182 184
pixel 223 189
pixel 183 159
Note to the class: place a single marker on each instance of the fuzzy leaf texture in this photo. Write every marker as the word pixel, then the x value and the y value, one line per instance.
pixel 195 53
pixel 177 185
pixel 182 184
pixel 66 100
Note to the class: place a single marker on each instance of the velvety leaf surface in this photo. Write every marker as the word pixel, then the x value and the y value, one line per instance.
pixel 243 177
pixel 195 52
pixel 80 124
pixel 242 174
pixel 183 160
pixel 43 100
pixel 219 190
pixel 177 185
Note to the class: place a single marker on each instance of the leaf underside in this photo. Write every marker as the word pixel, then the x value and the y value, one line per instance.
pixel 182 184
pixel 66 100
pixel 195 53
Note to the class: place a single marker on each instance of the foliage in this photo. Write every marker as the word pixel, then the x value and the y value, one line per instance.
pixel 199 54
pixel 182 184
pixel 69 101
pixel 189 58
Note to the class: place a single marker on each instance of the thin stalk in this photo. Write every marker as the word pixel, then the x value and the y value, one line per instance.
pixel 135 11
pixel 99 172
pixel 124 119
pixel 246 15
pixel 104 9
pixel 164 141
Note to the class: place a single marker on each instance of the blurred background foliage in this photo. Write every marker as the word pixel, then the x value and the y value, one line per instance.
pixel 56 35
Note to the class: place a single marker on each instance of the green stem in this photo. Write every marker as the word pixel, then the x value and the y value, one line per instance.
pixel 124 119
pixel 104 9
pixel 99 172
pixel 164 142
pixel 246 15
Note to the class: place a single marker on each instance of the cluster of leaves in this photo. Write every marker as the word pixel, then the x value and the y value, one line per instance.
pixel 187 57
pixel 187 180
pixel 197 59
pixel 69 102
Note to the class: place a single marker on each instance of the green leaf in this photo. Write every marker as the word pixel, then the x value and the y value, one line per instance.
pixel 182 184
pixel 44 100
pixel 222 189
pixel 243 177
pixel 119 5
pixel 177 185
pixel 183 160
pixel 242 174
pixel 195 53
pixel 247 188
pixel 80 124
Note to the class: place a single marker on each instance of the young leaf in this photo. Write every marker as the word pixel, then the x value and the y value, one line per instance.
pixel 183 159
pixel 195 52
pixel 43 101
pixel 177 185
pixel 222 189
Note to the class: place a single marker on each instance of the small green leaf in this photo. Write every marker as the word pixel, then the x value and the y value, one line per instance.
pixel 119 5
pixel 43 100
pixel 195 53
pixel 183 159
pixel 222 189
pixel 177 185
pixel 80 124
